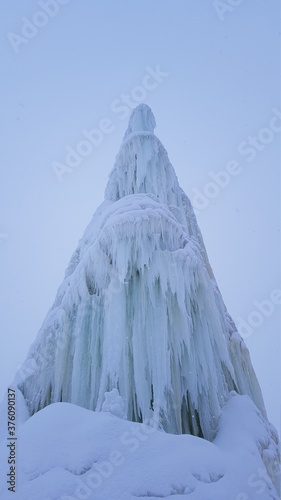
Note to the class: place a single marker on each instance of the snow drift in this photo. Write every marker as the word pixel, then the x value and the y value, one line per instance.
pixel 70 453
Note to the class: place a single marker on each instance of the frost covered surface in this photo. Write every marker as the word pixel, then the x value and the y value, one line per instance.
pixel 66 452
pixel 139 327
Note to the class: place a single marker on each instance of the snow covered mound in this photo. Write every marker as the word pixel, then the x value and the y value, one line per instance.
pixel 66 452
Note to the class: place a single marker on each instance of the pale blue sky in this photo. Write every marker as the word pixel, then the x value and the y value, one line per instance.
pixel 221 84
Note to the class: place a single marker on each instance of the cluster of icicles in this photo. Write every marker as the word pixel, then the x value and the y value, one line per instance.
pixel 139 309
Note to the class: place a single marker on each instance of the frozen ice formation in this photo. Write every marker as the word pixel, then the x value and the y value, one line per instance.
pixel 139 312
pixel 141 120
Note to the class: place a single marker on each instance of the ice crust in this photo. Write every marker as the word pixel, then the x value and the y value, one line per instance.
pixel 139 309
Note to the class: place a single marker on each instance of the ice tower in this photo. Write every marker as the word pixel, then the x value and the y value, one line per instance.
pixel 139 310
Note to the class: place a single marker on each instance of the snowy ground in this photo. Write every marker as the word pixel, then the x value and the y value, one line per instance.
pixel 67 452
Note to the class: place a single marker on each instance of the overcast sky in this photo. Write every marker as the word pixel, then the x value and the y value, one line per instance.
pixel 210 71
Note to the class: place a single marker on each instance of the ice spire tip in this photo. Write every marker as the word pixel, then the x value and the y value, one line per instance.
pixel 141 120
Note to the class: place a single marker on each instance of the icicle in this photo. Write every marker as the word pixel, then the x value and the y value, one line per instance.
pixel 139 314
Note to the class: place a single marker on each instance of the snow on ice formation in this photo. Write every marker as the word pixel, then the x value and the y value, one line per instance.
pixel 139 324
